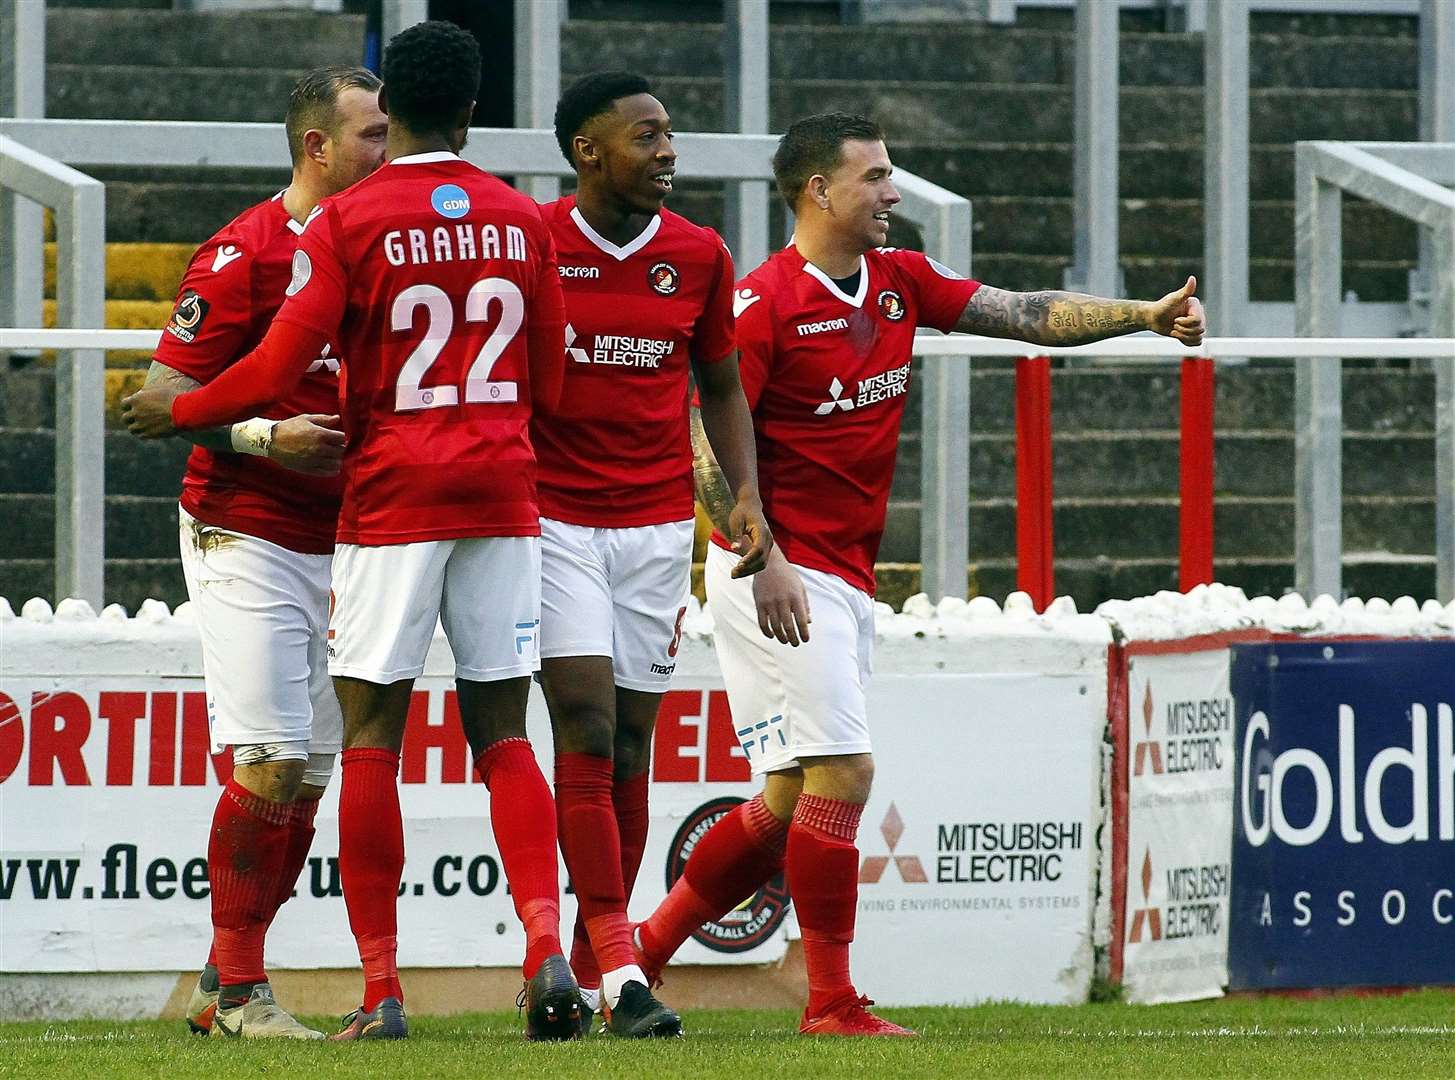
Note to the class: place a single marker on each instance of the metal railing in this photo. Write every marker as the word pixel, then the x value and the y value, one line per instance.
pixel 944 218
pixel 1409 179
pixel 79 203
pixel 946 507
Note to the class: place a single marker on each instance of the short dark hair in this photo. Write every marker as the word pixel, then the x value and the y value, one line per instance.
pixel 815 146
pixel 590 96
pixel 314 102
pixel 431 73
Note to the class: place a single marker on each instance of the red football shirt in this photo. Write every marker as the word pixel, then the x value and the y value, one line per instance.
pixel 438 282
pixel 232 287
pixel 826 375
pixel 617 451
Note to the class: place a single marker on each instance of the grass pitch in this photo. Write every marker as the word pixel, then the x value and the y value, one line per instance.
pixel 1410 1035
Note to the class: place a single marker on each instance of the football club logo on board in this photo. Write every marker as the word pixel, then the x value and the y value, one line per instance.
pixel 753 921
pixel 663 278
pixel 891 305
pixel 450 200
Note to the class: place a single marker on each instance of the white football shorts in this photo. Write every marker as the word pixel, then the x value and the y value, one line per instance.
pixel 620 593
pixel 262 615
pixel 791 703
pixel 485 590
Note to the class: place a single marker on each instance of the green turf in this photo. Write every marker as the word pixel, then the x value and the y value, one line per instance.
pixel 1411 1035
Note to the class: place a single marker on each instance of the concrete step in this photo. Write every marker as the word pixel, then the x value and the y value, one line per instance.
pixel 1142 527
pixel 230 39
pixel 133 467
pixel 1011 223
pixel 977 53
pixel 1129 463
pixel 136 92
pixel 1039 112
pixel 136 271
pixel 137 526
pixel 180 205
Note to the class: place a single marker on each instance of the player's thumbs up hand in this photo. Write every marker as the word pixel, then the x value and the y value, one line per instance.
pixel 1179 315
pixel 312 443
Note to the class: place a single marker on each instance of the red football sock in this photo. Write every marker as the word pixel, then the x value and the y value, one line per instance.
pixel 371 862
pixel 823 878
pixel 245 856
pixel 592 849
pixel 523 818
pixel 743 850
pixel 300 839
pixel 629 799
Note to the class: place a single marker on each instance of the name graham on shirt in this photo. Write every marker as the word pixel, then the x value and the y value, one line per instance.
pixel 464 242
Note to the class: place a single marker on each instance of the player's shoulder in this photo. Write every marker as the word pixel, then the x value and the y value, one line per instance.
pixel 916 263
pixel 230 253
pixel 700 239
pixel 775 274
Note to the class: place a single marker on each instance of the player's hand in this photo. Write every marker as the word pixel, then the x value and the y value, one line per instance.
pixel 312 444
pixel 750 537
pixel 1179 315
pixel 148 412
pixel 781 601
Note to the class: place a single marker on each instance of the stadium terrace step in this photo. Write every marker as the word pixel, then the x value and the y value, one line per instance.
pixel 137 526
pixel 1144 464
pixel 1148 227
pixel 1038 112
pixel 183 206
pixel 976 53
pixel 171 39
pixel 124 314
pixel 135 271
pixel 1143 527
pixel 89 92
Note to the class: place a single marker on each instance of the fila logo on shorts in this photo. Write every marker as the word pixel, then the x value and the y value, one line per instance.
pixel 762 734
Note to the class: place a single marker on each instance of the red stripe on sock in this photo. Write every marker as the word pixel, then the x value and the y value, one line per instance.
pixel 523 818
pixel 371 862
pixel 245 854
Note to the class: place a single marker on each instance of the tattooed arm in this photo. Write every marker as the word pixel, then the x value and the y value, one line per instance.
pixel 1063 318
pixel 310 443
pixel 708 481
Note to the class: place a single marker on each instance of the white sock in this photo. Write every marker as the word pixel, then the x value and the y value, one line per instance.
pixel 591 997
pixel 613 981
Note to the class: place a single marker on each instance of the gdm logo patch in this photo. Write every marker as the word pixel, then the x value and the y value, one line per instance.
pixel 450 200
pixel 753 921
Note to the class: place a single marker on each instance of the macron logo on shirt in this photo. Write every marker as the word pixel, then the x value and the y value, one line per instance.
pixel 225 254
pixel 742 300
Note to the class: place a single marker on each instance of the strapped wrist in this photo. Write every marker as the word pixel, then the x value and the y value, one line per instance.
pixel 253 436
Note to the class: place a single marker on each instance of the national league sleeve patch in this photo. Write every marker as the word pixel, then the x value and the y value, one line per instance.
pixel 188 316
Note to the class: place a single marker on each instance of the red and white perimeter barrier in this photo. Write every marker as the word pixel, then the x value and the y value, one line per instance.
pixel 1006 741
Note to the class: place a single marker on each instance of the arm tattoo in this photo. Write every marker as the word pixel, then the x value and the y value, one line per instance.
pixel 218 438
pixel 708 481
pixel 1051 318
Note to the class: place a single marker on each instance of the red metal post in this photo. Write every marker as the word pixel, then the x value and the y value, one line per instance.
pixel 1197 472
pixel 1034 536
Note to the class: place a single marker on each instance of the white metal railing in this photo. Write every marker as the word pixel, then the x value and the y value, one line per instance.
pixel 1411 180
pixel 944 218
pixel 79 203
pixel 946 505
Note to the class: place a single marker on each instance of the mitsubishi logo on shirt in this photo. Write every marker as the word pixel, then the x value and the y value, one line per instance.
pixel 835 401
pixel 576 354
